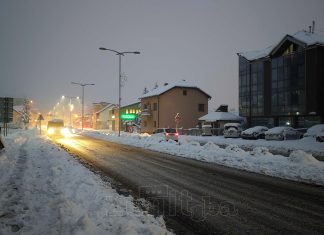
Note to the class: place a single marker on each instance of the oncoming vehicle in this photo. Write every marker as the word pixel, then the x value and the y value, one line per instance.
pixel 282 133
pixel 167 133
pixel 256 132
pixel 56 127
pixel 232 130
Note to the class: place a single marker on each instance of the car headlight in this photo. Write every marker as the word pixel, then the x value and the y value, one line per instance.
pixel 50 131
pixel 65 132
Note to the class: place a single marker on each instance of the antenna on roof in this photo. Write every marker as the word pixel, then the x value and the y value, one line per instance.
pixel 313 28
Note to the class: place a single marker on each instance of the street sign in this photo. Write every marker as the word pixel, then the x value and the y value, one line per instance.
pixel 6 112
pixel 40 117
pixel 128 117
pixel 6 109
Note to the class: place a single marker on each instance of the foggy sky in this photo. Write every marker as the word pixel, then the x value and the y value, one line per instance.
pixel 46 44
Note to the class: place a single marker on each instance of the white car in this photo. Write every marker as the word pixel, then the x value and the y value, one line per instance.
pixel 167 133
pixel 282 133
pixel 320 137
pixel 232 130
pixel 256 132
pixel 314 130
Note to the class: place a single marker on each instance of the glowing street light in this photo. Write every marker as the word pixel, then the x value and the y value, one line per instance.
pixel 82 85
pixel 120 54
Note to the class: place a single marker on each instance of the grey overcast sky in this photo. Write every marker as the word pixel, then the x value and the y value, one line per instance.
pixel 46 44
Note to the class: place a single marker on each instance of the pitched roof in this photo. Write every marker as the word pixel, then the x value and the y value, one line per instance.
pixel 220 116
pixel 106 107
pixel 304 37
pixel 18 108
pixel 162 89
pixel 132 104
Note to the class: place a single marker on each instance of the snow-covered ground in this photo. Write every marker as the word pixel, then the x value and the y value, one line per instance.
pixel 299 166
pixel 307 144
pixel 46 191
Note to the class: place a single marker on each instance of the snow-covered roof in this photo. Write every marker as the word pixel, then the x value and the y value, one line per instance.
pixel 164 88
pixel 220 116
pixel 257 54
pixel 106 107
pixel 303 36
pixel 309 38
pixel 18 108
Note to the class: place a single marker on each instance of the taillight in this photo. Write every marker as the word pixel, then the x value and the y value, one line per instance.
pixel 177 134
pixel 166 133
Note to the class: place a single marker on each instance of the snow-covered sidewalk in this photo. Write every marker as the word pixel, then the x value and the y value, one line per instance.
pixel 46 191
pixel 299 166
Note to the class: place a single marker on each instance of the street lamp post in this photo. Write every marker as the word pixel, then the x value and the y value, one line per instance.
pixel 120 54
pixel 71 106
pixel 82 85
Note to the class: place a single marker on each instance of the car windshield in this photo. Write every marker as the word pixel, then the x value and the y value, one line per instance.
pixel 170 130
pixel 55 124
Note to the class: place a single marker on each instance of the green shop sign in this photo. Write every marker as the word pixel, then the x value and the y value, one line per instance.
pixel 128 116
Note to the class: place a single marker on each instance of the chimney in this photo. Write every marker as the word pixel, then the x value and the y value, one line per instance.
pixel 313 28
pixel 310 28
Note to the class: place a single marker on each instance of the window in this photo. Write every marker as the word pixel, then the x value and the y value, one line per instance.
pixel 184 92
pixel 126 111
pixel 288 89
pixel 154 106
pixel 201 107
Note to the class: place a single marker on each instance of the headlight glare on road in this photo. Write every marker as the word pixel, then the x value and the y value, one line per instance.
pixel 65 132
pixel 50 131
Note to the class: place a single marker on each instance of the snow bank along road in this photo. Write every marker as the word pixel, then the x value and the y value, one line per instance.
pixel 207 198
pixel 43 190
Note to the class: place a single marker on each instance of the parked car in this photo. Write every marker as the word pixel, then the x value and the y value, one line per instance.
pixel 206 130
pixel 232 130
pixel 314 130
pixel 167 133
pixel 320 137
pixel 282 133
pixel 256 132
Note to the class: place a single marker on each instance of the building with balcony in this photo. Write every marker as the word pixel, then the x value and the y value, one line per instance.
pixel 129 116
pixel 283 84
pixel 160 106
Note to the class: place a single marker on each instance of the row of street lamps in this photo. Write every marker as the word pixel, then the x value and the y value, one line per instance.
pixel 120 54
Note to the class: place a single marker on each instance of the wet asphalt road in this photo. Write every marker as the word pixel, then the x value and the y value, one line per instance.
pixel 202 198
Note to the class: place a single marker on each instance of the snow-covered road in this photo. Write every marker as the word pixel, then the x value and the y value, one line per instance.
pixel 299 166
pixel 46 191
